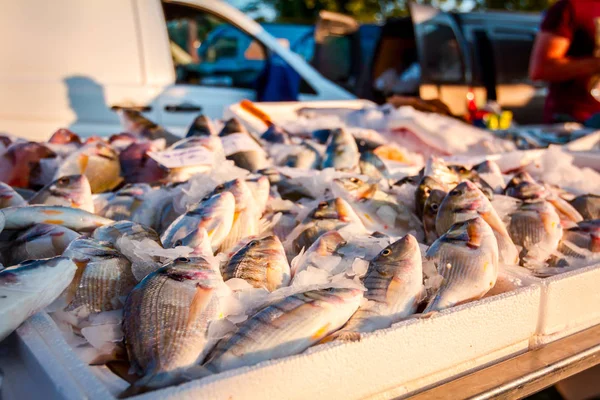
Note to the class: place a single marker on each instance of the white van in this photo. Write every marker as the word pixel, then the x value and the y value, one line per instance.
pixel 66 63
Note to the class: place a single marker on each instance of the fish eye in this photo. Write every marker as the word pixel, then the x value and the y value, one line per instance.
pixel 455 192
pixel 435 206
pixel 386 252
pixel 182 260
pixel 426 190
pixel 354 180
pixel 323 205
pixel 63 181
pixel 220 187
pixel 253 243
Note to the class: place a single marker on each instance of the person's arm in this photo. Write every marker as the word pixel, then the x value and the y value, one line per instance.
pixel 549 61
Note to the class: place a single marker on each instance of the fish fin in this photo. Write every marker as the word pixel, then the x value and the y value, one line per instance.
pixel 494 221
pixel 341 336
pixel 83 162
pixel 565 208
pixel 201 299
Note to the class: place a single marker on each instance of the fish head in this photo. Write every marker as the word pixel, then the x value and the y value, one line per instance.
pixel 101 149
pixel 328 243
pixel 138 166
pixel 433 202
pixel 487 166
pixel 424 188
pixel 357 187
pixel 522 186
pixel 275 134
pixel 74 188
pixel 325 210
pixel 196 270
pixel 218 206
pixel 464 197
pixel 240 191
pixel 401 250
pixel 64 136
pixel 269 246
pixel 232 125
pixel 202 126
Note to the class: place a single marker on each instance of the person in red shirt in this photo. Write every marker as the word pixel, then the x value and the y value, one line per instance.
pixel 563 55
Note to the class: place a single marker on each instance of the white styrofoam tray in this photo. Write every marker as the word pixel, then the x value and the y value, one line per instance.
pixel 407 357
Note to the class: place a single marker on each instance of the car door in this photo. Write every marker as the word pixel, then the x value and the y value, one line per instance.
pixel 216 65
pixel 444 57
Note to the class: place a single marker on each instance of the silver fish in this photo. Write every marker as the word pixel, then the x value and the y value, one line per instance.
pixel 41 241
pixel 9 197
pixel 262 263
pixel 437 168
pixel 72 218
pixel 426 185
pixel 371 165
pixel 69 191
pixel 285 328
pixel 394 283
pixel 307 157
pixel 28 288
pixel 260 188
pixel 342 151
pixel 199 241
pixel 214 214
pixel 430 211
pixel 465 202
pixel 166 320
pixel 251 159
pixel 111 233
pixel 326 245
pixel 201 126
pixel 536 227
pixel 467 258
pixel 125 202
pixel 103 276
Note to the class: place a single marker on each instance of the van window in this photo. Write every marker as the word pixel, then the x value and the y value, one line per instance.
pixel 441 58
pixel 511 51
pixel 208 51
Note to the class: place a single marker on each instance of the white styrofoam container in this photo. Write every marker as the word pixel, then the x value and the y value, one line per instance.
pixel 570 303
pixel 409 356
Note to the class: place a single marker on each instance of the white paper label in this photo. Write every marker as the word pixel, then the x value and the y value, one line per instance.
pixel 237 142
pixel 183 157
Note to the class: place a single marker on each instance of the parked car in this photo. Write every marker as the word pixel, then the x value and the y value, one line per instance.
pixel 77 59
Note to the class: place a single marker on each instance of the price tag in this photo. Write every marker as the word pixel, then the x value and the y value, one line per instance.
pixel 183 157
pixel 237 142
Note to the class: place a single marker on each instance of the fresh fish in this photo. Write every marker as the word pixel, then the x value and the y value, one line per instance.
pixel 430 211
pixel 166 320
pixel 522 186
pixel 20 165
pixel 285 328
pixel 262 263
pixel 588 206
pixel 214 214
pixel 276 134
pixel 246 215
pixel 72 218
pixel 394 283
pixel 199 241
pixel 111 233
pixel 9 197
pixel 437 168
pixel 103 276
pixel 327 216
pixel 326 245
pixel 252 159
pixel 41 241
pixel 125 202
pixel 490 172
pixel 359 189
pixel 408 180
pixel 260 188
pixel 307 157
pixel 64 136
pixel 201 126
pixel 28 288
pixel 425 186
pixel 342 152
pixel 465 202
pixel 466 257
pixel 98 162
pixel 536 227
pixel 134 122
pixel 371 165
pixel 471 175
pixel 137 166
pixel 69 191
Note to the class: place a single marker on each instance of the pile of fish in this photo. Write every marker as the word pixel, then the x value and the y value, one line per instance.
pixel 171 259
